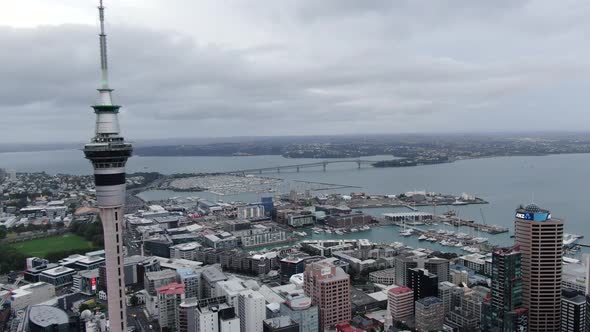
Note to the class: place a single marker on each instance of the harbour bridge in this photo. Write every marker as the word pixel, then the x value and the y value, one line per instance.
pixel 324 164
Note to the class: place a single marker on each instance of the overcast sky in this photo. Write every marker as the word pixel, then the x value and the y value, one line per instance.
pixel 186 68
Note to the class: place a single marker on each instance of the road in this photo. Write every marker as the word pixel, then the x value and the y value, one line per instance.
pixel 136 317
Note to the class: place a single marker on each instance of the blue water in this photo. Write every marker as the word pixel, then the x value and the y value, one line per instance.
pixel 557 182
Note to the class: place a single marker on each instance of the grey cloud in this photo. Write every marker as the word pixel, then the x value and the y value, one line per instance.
pixel 456 60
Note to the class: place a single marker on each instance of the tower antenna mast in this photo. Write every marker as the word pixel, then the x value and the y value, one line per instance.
pixel 104 70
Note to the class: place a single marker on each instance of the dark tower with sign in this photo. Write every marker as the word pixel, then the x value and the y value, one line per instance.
pixel 540 239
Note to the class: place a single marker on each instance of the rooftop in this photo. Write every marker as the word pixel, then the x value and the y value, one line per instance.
pixel 212 274
pixel 400 290
pixel 46 316
pixel 58 271
pixel 428 301
pixel 281 321
pixel 171 289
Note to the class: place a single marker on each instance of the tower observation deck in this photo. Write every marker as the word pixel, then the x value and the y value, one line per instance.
pixel 108 153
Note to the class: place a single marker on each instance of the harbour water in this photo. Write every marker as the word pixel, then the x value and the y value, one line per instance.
pixel 557 182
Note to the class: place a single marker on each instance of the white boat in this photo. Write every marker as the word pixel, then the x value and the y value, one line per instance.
pixel 569 239
pixel 444 243
pixel 423 237
pixel 480 239
pixel 458 202
pixel 441 231
pixel 471 249
pixel 328 231
pixel 461 235
pixel 339 232
pixel 353 230
pixel 406 232
pixel 459 244
pixel 365 228
pixel 432 239
pixel 316 231
pixel 570 260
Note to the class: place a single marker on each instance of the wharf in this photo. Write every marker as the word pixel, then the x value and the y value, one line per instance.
pixel 423 218
pixel 394 203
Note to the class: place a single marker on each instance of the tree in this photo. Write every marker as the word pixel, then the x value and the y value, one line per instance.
pixel 3 232
pixel 11 259
pixel 134 300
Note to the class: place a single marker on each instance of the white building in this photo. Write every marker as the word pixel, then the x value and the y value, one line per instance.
pixel 187 250
pixel 27 295
pixel 251 310
pixel 251 212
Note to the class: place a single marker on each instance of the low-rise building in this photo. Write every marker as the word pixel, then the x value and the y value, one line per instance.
pixel 30 294
pixel 384 277
pixel 86 282
pixel 58 276
pixel 300 220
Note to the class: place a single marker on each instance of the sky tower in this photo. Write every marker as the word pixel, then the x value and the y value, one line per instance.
pixel 108 153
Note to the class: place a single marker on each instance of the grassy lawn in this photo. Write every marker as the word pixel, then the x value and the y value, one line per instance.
pixel 42 247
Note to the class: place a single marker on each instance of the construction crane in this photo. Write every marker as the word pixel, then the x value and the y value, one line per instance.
pixel 7 296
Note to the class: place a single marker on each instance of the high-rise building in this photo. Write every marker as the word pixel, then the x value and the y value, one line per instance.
pixel 445 294
pixel 423 283
pixel 108 153
pixel 540 239
pixel 280 324
pixel 299 308
pixel 328 287
pixel 430 314
pixel 506 305
pixel 191 278
pixel 169 299
pixel 402 264
pixel 400 303
pixel 187 315
pixel 439 267
pixel 251 310
pixel 157 279
pixel 208 315
pixel 587 313
pixel 573 311
pixel 290 266
pixel 467 315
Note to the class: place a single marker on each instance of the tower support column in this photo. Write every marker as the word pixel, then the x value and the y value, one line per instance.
pixel 112 223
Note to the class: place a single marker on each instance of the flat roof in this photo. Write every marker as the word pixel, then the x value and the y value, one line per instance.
pixel 212 274
pixel 407 214
pixel 46 316
pixel 60 270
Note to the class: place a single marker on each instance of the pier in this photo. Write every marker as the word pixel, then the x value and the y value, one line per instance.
pixel 422 218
